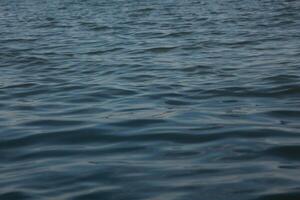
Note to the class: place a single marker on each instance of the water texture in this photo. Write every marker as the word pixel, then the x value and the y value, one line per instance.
pixel 150 100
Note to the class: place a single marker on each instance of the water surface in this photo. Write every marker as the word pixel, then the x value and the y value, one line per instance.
pixel 164 100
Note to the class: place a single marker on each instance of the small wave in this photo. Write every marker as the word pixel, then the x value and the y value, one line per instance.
pixel 160 49
pixel 285 152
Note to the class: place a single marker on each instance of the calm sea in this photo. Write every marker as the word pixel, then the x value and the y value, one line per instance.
pixel 150 100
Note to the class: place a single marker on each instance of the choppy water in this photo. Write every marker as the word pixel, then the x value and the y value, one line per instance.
pixel 152 100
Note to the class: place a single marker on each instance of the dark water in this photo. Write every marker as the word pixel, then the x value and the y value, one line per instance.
pixel 152 100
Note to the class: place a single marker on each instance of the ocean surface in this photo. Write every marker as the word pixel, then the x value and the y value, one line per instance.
pixel 150 100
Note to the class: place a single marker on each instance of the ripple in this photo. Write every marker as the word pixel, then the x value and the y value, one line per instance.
pixel 160 49
pixel 285 152
pixel 282 196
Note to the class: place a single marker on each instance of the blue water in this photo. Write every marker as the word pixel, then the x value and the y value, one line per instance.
pixel 150 100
